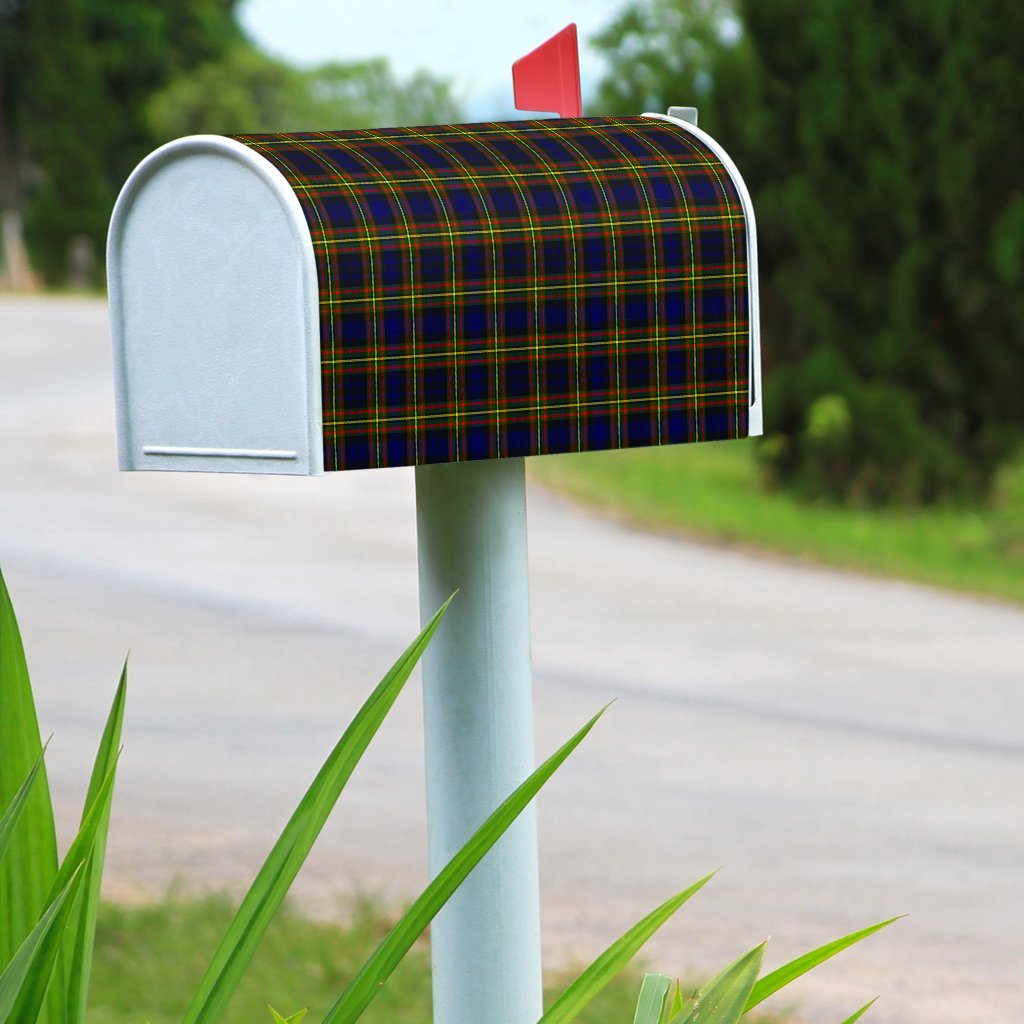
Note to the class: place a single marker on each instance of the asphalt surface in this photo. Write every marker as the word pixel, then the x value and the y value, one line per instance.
pixel 845 748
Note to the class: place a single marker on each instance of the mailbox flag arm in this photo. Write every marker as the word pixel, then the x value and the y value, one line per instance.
pixel 548 78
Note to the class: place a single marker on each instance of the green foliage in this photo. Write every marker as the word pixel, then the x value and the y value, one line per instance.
pixel 611 962
pixel 89 87
pixel 48 911
pixel 75 80
pixel 838 419
pixel 249 91
pixel 146 956
pixel 30 862
pixel 268 891
pixel 714 491
pixel 782 976
pixel 62 947
pixel 245 88
pixel 854 1017
pixel 664 52
pixel 723 1000
pixel 1008 509
pixel 48 919
pixel 733 993
pixel 82 932
pixel 651 1004
pixel 61 182
pixel 12 815
pixel 295 1018
pixel 150 957
pixel 730 995
pixel 890 221
pixel 35 959
pixel 378 968
pixel 45 977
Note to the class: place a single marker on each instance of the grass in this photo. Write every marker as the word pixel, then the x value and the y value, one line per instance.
pixel 149 958
pixel 713 491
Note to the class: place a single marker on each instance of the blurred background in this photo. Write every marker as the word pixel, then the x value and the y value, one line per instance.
pixel 878 140
pixel 847 743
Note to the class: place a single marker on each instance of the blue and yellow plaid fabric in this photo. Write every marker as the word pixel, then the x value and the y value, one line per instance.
pixel 522 288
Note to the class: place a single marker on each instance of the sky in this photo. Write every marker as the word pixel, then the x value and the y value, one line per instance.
pixel 472 42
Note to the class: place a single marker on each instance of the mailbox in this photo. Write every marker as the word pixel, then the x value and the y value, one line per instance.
pixel 345 300
pixel 295 303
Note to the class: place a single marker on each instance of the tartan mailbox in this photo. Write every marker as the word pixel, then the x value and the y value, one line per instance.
pixel 452 297
pixel 328 301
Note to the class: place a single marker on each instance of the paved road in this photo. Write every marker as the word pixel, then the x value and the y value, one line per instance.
pixel 846 748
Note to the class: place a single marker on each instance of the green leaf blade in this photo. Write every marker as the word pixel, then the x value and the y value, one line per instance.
pixel 372 975
pixel 854 1017
pixel 295 1018
pixel 289 852
pixel 595 977
pixel 24 981
pixel 11 816
pixel 676 1002
pixel 72 867
pixel 82 931
pixel 651 1003
pixel 723 1000
pixel 83 845
pixel 29 868
pixel 782 976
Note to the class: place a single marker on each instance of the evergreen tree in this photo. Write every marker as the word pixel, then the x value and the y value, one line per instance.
pixel 88 87
pixel 75 80
pixel 63 119
pixel 879 142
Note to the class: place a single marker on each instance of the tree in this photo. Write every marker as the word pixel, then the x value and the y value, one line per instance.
pixel 88 87
pixel 61 126
pixel 75 79
pixel 890 219
pixel 249 91
pixel 246 90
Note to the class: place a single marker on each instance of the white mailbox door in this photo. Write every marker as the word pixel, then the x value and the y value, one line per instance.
pixel 215 316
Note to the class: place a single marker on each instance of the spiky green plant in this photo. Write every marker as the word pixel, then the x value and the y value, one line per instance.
pixel 48 909
pixel 725 999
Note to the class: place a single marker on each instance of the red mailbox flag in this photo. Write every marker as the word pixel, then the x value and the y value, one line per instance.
pixel 548 78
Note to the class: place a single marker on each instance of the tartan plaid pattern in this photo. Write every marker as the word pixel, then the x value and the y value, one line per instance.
pixel 522 288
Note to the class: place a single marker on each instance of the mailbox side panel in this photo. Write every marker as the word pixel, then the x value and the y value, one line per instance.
pixel 214 316
pixel 526 288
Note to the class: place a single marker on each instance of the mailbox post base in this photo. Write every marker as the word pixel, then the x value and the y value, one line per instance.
pixel 478 720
